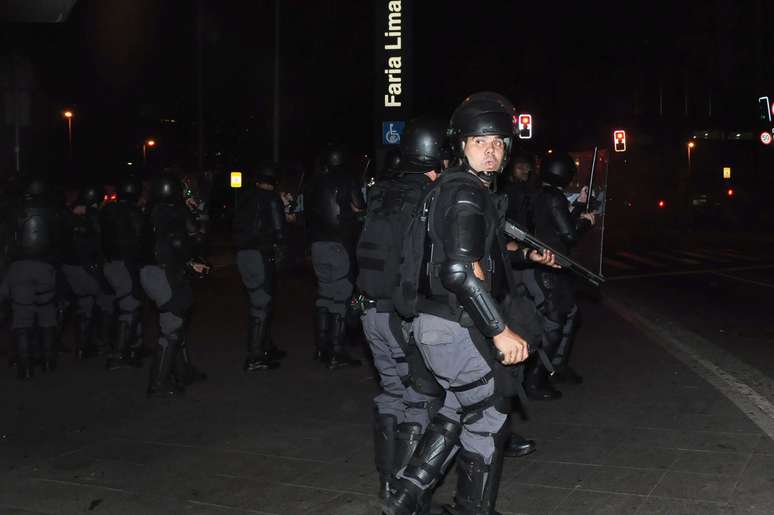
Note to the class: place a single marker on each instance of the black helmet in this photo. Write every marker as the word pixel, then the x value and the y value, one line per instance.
pixel 483 114
pixel 558 169
pixel 91 194
pixel 36 187
pixel 422 144
pixel 166 188
pixel 524 158
pixel 392 161
pixel 129 189
pixel 266 172
pixel 333 158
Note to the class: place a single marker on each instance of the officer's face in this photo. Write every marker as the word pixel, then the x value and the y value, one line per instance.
pixel 485 153
pixel 521 172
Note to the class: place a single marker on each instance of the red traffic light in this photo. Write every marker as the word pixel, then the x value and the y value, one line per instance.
pixel 619 140
pixel 730 192
pixel 525 126
pixel 661 204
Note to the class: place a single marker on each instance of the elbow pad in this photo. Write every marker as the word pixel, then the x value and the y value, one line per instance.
pixel 458 278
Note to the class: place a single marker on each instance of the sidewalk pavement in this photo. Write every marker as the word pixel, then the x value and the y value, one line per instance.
pixel 643 434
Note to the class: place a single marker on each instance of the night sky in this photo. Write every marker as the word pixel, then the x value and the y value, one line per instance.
pixel 578 66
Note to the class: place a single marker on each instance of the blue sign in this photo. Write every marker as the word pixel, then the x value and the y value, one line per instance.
pixel 391 132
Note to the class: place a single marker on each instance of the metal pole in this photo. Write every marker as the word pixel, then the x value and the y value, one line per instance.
pixel 275 152
pixel 590 193
pixel 199 84
pixel 70 136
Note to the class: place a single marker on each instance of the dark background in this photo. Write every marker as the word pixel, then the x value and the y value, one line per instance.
pixel 128 68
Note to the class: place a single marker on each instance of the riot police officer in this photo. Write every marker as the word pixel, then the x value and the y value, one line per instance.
pixel 260 238
pixel 170 237
pixel 332 202
pixel 461 324
pixel 31 280
pixel 122 226
pixel 409 393
pixel 554 290
pixel 82 262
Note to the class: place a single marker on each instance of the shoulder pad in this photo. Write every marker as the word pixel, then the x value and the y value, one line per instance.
pixel 473 197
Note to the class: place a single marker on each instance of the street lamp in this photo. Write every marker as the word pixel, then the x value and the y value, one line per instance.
pixel 69 117
pixel 691 144
pixel 147 144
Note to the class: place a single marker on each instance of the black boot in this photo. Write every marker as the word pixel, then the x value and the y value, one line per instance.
pixel 48 348
pixel 385 427
pixel 322 336
pixel 119 356
pixel 340 358
pixel 161 382
pixel 258 357
pixel 84 345
pixel 518 446
pixel 23 339
pixel 426 466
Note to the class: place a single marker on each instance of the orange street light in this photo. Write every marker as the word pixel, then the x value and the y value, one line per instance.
pixel 148 143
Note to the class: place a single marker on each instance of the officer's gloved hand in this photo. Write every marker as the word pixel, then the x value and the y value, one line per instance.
pixel 199 268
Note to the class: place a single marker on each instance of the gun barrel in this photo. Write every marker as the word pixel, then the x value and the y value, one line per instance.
pixel 514 231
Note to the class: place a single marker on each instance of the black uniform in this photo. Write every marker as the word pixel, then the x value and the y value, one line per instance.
pixel 332 231
pixel 122 225
pixel 82 261
pixel 260 238
pixel 31 280
pixel 169 242
pixel 553 290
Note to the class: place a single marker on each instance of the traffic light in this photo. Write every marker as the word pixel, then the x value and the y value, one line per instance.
pixel 525 126
pixel 764 109
pixel 619 140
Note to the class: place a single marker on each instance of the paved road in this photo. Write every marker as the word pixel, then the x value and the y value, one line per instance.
pixel 648 431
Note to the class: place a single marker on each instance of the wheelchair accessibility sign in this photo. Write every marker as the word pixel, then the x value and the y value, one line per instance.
pixel 391 132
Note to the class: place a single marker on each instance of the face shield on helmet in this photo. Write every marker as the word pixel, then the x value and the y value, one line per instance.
pixel 484 114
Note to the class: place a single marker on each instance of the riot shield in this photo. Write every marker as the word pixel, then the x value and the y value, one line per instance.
pixel 592 176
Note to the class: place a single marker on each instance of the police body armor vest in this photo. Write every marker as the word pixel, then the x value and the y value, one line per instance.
pixel 122 225
pixel 438 300
pixel 82 244
pixel 167 242
pixel 391 203
pixel 329 209
pixel 35 233
pixel 254 223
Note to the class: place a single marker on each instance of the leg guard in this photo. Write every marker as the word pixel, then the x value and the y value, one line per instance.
pixel 477 482
pixel 23 339
pixel 161 383
pixel 119 356
pixel 385 427
pixel 322 340
pixel 187 372
pixel 339 357
pixel 84 344
pixel 425 468
pixel 258 357
pixel 536 384
pixel 48 348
